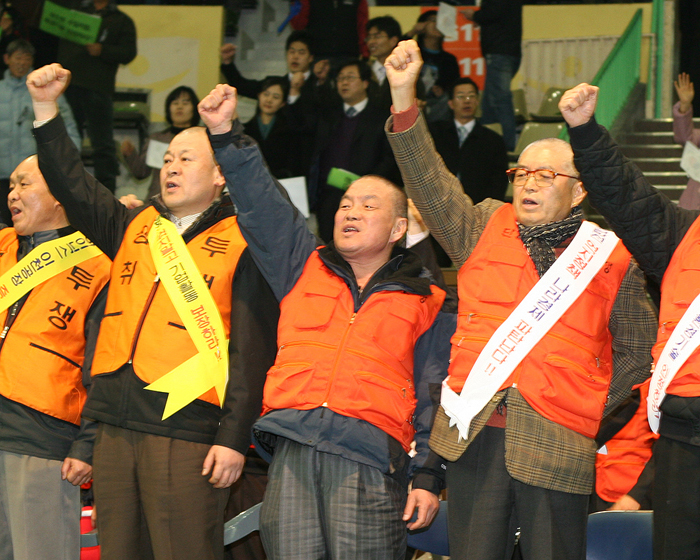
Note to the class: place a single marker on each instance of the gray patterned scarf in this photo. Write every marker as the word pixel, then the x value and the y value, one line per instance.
pixel 541 240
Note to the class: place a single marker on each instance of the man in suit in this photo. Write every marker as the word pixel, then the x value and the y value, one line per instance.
pixel 476 155
pixel 349 136
pixel 383 34
pixel 303 82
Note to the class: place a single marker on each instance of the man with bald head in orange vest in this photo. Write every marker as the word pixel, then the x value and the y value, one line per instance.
pixel 347 394
pixel 188 333
pixel 553 330
pixel 51 278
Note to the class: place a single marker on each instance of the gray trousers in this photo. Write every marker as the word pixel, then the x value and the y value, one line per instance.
pixel 39 512
pixel 320 506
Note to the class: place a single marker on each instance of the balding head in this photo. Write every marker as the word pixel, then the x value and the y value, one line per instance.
pixel 190 179
pixel 32 207
pixel 564 157
pixel 370 220
pixel 537 204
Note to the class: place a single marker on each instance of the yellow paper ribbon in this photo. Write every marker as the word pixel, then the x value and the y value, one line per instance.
pixel 43 263
pixel 200 315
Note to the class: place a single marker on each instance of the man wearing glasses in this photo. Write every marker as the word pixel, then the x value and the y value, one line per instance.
pixel 349 136
pixel 553 330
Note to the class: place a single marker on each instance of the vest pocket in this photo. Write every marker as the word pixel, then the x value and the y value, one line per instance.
pixel 395 333
pixel 67 359
pixel 588 314
pixel 372 389
pixel 316 305
pixel 688 279
pixel 565 381
pixel 501 286
pixel 288 385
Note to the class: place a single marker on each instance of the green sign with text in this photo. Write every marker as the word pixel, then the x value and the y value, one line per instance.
pixel 69 24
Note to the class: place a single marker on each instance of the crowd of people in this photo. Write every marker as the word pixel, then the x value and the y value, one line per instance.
pixel 147 344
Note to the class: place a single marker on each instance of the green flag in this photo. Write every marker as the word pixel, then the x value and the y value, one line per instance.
pixel 72 25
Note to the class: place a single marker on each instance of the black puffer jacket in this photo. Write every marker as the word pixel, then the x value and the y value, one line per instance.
pixel 651 227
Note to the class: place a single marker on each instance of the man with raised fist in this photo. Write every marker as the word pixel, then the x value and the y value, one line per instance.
pixel 349 390
pixel 664 240
pixel 187 336
pixel 553 331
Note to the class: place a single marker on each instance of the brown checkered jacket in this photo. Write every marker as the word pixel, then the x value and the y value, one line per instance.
pixel 538 451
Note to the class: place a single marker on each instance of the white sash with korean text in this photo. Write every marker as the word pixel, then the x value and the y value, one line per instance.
pixel 684 340
pixel 538 312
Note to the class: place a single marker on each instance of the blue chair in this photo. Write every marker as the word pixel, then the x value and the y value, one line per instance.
pixel 242 525
pixel 619 535
pixel 434 538
pixel 237 528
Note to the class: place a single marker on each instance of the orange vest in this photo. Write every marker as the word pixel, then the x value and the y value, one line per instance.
pixel 358 364
pixel 628 453
pixel 140 325
pixel 565 377
pixel 42 354
pixel 680 286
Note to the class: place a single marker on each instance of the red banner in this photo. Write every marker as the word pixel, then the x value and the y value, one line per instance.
pixel 467 48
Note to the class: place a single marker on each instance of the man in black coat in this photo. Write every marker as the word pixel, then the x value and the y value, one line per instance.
pixel 94 67
pixel 349 136
pixel 475 154
pixel 303 83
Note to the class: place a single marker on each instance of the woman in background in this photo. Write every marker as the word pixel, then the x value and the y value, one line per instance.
pixel 684 131
pixel 181 113
pixel 271 129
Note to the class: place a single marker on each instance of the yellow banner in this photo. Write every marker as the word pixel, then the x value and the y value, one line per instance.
pixel 195 305
pixel 43 263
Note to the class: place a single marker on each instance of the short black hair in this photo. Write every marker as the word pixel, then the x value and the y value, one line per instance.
pixel 175 94
pixel 301 37
pixel 20 45
pixel 280 81
pixel 426 15
pixel 461 82
pixel 362 67
pixel 387 24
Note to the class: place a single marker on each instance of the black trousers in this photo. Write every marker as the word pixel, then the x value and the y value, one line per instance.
pixel 94 113
pixel 487 506
pixel 676 500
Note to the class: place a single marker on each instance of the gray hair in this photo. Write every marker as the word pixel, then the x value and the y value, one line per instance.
pixel 556 143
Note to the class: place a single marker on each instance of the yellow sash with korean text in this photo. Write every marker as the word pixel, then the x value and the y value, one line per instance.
pixel 43 263
pixel 200 315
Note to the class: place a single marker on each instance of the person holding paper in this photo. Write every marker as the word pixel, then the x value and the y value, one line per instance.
pixel 181 113
pixel 548 339
pixel 664 240
pixel 684 132
pixel 94 67
pixel 188 333
pixel 343 401
pixel 51 286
